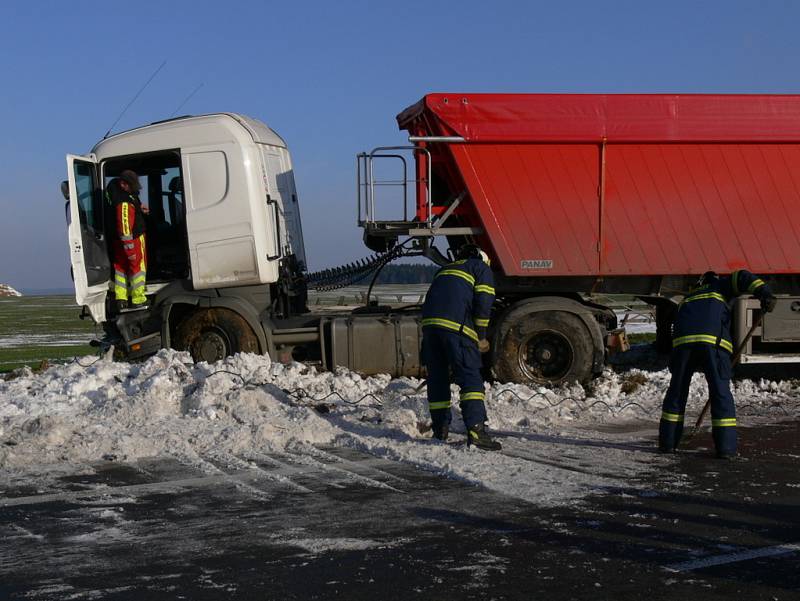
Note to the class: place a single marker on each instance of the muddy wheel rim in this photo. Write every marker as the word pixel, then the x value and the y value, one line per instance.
pixel 546 355
pixel 212 345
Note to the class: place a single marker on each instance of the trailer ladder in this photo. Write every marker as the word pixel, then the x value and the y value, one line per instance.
pixel 368 184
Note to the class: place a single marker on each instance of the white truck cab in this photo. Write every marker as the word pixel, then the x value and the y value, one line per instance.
pixel 223 205
pixel 226 264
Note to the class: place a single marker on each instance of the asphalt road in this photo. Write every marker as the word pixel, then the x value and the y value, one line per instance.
pixel 344 525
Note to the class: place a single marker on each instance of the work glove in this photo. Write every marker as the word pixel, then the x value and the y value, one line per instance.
pixel 768 303
pixel 483 345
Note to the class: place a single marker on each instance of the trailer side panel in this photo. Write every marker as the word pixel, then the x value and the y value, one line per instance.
pixel 537 203
pixel 623 185
pixel 685 208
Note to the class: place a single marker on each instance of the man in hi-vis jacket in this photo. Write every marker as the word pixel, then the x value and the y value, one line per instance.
pixel 702 342
pixel 454 321
pixel 129 250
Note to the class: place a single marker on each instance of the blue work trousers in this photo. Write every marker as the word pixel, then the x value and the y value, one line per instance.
pixel 445 352
pixel 715 363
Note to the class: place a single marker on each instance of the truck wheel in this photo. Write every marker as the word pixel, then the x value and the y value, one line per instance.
pixel 213 334
pixel 548 347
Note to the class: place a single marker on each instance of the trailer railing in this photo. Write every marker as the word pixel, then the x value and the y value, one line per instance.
pixel 424 222
pixel 367 183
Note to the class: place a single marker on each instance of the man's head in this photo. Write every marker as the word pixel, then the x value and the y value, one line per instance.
pixel 473 251
pixel 707 278
pixel 129 181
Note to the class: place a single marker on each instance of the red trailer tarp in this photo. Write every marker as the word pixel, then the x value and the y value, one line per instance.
pixel 613 117
pixel 626 184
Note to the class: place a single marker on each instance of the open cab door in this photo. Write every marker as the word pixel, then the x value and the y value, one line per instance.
pixel 91 266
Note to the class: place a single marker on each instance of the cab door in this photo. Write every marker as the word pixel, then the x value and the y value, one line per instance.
pixel 281 185
pixel 91 266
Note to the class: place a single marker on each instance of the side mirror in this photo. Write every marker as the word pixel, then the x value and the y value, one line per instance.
pixel 65 189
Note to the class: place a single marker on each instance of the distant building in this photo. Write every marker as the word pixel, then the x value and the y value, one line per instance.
pixel 6 290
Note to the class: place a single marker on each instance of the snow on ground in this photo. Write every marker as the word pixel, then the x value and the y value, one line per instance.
pixel 635 322
pixel 559 445
pixel 6 290
pixel 56 339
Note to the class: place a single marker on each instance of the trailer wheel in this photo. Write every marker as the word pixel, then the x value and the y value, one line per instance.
pixel 548 347
pixel 213 334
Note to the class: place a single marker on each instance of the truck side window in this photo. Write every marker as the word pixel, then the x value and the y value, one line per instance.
pixel 172 184
pixel 90 214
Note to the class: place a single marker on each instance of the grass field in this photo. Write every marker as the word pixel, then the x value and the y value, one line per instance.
pixel 642 337
pixel 38 328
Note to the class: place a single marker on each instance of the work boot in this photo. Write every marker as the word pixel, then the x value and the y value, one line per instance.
pixel 139 304
pixel 121 304
pixel 441 432
pixel 479 437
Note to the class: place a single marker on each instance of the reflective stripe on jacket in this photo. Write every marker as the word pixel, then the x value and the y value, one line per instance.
pixel 460 298
pixel 704 316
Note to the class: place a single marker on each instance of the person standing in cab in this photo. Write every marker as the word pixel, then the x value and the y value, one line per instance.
pixel 129 248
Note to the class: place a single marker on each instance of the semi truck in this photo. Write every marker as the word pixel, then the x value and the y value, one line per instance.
pixel 572 197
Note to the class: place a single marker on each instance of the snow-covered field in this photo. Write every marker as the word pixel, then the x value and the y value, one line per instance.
pixel 559 445
pixel 6 290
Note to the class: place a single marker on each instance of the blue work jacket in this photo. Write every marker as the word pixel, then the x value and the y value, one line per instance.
pixel 704 316
pixel 460 298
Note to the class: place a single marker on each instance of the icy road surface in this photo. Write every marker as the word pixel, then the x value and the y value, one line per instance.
pixel 239 412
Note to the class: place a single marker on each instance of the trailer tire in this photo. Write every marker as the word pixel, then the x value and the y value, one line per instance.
pixel 213 334
pixel 547 347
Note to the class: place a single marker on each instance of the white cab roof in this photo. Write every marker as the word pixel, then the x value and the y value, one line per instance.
pixel 184 132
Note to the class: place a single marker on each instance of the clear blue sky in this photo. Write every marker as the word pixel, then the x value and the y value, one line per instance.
pixel 330 78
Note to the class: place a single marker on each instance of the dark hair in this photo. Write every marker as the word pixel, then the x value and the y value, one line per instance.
pixel 707 277
pixel 469 251
pixel 131 178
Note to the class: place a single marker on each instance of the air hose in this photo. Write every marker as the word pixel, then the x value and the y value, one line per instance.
pixel 351 273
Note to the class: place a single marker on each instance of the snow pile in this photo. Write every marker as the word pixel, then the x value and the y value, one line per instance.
pixel 557 442
pixel 166 405
pixel 6 290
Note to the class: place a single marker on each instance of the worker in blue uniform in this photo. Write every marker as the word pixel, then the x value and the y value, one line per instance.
pixel 455 317
pixel 702 342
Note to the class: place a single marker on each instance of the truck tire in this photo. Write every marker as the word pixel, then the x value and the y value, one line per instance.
pixel 213 334
pixel 547 347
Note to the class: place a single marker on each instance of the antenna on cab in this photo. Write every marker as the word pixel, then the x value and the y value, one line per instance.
pixel 185 100
pixel 127 106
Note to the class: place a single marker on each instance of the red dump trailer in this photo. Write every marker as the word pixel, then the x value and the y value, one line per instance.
pixel 576 195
